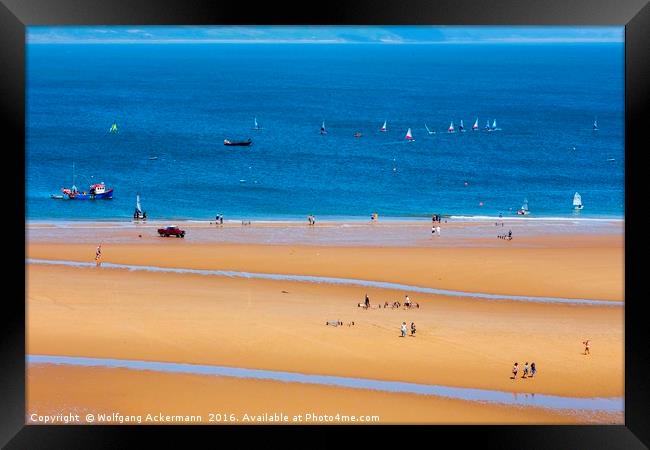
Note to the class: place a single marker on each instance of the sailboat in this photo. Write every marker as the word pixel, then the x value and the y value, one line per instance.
pixel 322 128
pixel 494 125
pixel 596 124
pixel 428 130
pixel 523 211
pixel 475 126
pixel 383 127
pixel 487 126
pixel 113 128
pixel 451 127
pixel 256 126
pixel 461 127
pixel 138 214
pixel 409 136
pixel 577 202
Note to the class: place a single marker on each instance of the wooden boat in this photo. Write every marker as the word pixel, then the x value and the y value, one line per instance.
pixel 240 143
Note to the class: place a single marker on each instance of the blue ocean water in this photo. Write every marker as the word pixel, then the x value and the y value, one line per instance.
pixel 178 102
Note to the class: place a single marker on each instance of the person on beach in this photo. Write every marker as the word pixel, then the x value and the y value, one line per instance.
pixel 367 301
pixel 412 328
pixel 515 369
pixel 407 301
pixel 433 229
pixel 533 369
pixel 98 255
pixel 509 234
pixel 403 329
pixel 438 230
pixel 220 219
pixel 586 344
pixel 525 374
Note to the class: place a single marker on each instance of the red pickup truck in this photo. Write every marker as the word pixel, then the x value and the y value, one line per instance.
pixel 171 230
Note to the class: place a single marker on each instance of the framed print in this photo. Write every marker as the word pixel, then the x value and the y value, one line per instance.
pixel 378 214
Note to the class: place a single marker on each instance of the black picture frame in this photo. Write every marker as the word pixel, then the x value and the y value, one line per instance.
pixel 15 15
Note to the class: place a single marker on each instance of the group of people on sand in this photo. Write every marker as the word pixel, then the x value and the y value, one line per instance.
pixel 218 219
pixel 311 219
pixel 338 323
pixel 528 372
pixel 407 304
pixel 507 237
pixel 403 329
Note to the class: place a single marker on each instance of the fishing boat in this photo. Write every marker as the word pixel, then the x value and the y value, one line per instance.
pixel 428 130
pixel 322 128
pixel 357 134
pixel 461 128
pixel 138 214
pixel 409 136
pixel 96 191
pixel 240 143
pixel 595 124
pixel 577 202
pixel 523 211
pixel 383 128
pixel 256 125
pixel 451 128
pixel 475 126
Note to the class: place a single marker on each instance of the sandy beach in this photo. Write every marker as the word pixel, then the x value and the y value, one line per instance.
pixel 280 324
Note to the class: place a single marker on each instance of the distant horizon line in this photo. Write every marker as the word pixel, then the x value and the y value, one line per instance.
pixel 320 42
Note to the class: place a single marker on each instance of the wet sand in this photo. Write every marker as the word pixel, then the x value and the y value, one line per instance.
pixel 280 325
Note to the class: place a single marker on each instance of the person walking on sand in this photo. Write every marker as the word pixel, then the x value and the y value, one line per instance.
pixel 438 230
pixel 533 370
pixel 367 301
pixel 515 369
pixel 525 374
pixel 586 344
pixel 98 255
pixel 407 301
pixel 412 328
pixel 403 329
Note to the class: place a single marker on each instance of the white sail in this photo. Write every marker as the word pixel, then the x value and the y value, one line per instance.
pixel 475 126
pixel 577 201
pixel 461 125
pixel 451 127
pixel 487 124
pixel 256 126
pixel 494 124
pixel 524 207
pixel 595 124
pixel 322 128
pixel 408 136
pixel 383 127
pixel 138 207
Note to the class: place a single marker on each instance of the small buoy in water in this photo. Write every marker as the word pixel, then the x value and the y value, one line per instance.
pixel 480 203
pixel 394 169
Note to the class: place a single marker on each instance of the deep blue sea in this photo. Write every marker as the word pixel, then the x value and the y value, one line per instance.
pixel 179 102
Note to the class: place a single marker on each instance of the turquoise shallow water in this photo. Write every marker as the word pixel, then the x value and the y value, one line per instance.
pixel 178 102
